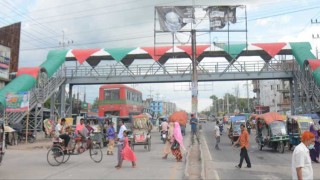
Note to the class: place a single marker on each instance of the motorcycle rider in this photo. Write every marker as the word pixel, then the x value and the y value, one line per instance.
pixel 164 127
pixel 221 126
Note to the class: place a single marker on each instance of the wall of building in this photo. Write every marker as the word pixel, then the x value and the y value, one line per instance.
pixel 275 94
pixel 10 37
pixel 157 107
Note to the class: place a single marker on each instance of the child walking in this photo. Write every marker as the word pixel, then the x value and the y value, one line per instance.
pixel 127 153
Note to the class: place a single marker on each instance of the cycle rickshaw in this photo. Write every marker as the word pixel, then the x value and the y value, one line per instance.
pixel 58 155
pixel 141 128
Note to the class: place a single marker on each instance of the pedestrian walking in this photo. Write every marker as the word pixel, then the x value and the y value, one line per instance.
pixel 111 137
pixel 167 146
pixel 217 135
pixel 194 128
pixel 120 141
pixel 301 167
pixel 243 140
pixel 126 152
pixel 177 142
pixel 314 153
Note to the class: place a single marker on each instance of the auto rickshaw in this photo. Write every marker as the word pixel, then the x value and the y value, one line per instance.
pixel 296 125
pixel 314 117
pixel 271 131
pixel 2 140
pixel 234 130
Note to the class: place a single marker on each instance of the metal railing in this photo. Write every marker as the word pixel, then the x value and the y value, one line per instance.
pixel 179 68
pixel 39 95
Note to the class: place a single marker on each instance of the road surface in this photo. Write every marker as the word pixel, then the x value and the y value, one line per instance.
pixel 266 164
pixel 21 163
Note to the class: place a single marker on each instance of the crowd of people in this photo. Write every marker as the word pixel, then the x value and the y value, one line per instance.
pixel 302 157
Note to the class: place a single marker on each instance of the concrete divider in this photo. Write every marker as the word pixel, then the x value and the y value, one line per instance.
pixel 202 159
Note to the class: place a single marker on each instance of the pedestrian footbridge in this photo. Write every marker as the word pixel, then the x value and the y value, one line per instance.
pixel 292 61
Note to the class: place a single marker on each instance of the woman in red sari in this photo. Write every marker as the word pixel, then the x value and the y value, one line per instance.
pixel 127 153
pixel 177 142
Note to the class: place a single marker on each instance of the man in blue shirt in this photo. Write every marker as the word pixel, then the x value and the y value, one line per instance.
pixel 111 136
pixel 194 129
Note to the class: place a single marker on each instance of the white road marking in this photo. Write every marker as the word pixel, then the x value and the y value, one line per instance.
pixel 207 148
pixel 216 175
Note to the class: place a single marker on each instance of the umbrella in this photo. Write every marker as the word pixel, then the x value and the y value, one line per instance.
pixel 179 116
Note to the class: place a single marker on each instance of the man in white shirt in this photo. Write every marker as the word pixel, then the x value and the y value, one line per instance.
pixel 120 140
pixel 61 132
pixel 301 162
pixel 217 135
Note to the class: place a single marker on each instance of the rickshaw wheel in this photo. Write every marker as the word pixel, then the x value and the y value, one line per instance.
pixel 96 153
pixel 149 144
pixel 280 147
pixel 66 157
pixel 55 156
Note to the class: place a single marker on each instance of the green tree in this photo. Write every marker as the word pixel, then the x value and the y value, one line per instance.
pixel 215 104
pixel 95 103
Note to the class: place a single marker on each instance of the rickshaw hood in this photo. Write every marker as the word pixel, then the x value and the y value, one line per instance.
pixel 272 116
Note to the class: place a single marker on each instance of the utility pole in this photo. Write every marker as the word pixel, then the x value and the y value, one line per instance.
pixel 150 92
pixel 236 91
pixel 228 103
pixel 64 43
pixel 315 36
pixel 157 95
pixel 248 104
pixel 194 88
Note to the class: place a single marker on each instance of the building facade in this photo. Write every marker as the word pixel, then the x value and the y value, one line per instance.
pixel 157 107
pixel 9 51
pixel 163 108
pixel 272 93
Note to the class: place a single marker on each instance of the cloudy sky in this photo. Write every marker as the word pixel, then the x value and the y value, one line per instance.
pixel 130 23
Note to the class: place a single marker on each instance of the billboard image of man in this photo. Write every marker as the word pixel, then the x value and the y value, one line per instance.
pixel 174 18
pixel 173 21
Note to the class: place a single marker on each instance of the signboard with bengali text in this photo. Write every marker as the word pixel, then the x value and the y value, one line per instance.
pixel 17 102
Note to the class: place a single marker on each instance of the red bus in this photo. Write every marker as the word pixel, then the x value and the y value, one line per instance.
pixel 119 100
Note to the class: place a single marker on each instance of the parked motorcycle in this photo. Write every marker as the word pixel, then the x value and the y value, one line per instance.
pixel 22 137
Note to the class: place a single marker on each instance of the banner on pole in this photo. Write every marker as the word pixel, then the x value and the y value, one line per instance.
pixel 17 102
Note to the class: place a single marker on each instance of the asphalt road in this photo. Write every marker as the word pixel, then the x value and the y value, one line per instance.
pixel 266 164
pixel 32 164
